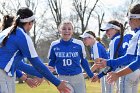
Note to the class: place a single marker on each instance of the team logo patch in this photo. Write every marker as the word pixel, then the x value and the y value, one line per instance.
pixel 56 48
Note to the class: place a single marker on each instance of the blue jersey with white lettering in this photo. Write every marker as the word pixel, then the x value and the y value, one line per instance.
pixel 98 51
pixel 18 46
pixel 68 57
pixel 113 45
pixel 121 51
pixel 131 53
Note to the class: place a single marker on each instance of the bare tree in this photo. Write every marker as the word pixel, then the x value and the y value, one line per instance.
pixel 10 7
pixel 124 12
pixel 83 12
pixel 56 9
pixel 56 6
pixel 100 17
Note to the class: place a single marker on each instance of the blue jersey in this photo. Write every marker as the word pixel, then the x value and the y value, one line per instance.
pixel 68 57
pixel 121 51
pixel 98 51
pixel 131 53
pixel 113 45
pixel 18 46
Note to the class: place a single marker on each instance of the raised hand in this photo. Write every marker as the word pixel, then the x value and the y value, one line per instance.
pixel 63 88
pixel 112 77
pixel 100 63
pixel 94 67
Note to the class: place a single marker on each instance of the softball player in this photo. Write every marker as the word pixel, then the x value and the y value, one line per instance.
pixel 97 51
pixel 132 53
pixel 16 45
pixel 67 55
pixel 114 30
pixel 8 22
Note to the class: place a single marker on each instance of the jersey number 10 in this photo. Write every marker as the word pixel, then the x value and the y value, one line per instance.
pixel 67 62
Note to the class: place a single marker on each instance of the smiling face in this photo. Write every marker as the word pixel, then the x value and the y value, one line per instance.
pixel 88 41
pixel 110 33
pixel 66 31
pixel 134 23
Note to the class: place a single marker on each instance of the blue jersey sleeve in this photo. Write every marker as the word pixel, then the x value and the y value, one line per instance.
pixel 18 74
pixel 135 65
pixel 84 62
pixel 51 57
pixel 86 67
pixel 28 69
pixel 40 67
pixel 122 61
pixel 25 45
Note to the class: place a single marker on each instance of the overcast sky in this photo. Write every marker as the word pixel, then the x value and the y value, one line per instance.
pixel 108 5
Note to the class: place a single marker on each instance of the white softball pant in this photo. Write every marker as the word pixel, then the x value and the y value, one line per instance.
pixel 7 83
pixel 129 83
pixel 76 81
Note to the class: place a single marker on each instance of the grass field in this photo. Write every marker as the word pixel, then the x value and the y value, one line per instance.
pixel 45 88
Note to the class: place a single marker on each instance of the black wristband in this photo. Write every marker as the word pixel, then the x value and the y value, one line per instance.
pixel 106 70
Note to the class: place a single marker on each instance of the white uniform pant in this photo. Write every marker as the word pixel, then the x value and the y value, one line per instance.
pixel 106 88
pixel 77 82
pixel 7 83
pixel 129 83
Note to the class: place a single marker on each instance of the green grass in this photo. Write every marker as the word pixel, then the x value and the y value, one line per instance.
pixel 45 88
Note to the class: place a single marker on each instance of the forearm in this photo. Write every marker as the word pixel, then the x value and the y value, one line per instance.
pixel 124 72
pixel 124 60
pixel 86 67
pixel 28 69
pixel 41 68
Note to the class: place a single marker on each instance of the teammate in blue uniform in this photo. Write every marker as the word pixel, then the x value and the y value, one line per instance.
pixel 67 55
pixel 132 51
pixel 97 50
pixel 17 45
pixel 8 21
pixel 114 31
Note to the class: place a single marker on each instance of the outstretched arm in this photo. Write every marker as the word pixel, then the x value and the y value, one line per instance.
pixel 129 69
pixel 28 69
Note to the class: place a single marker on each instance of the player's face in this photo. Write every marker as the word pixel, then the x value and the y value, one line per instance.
pixel 87 41
pixel 134 23
pixel 30 25
pixel 66 31
pixel 110 33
